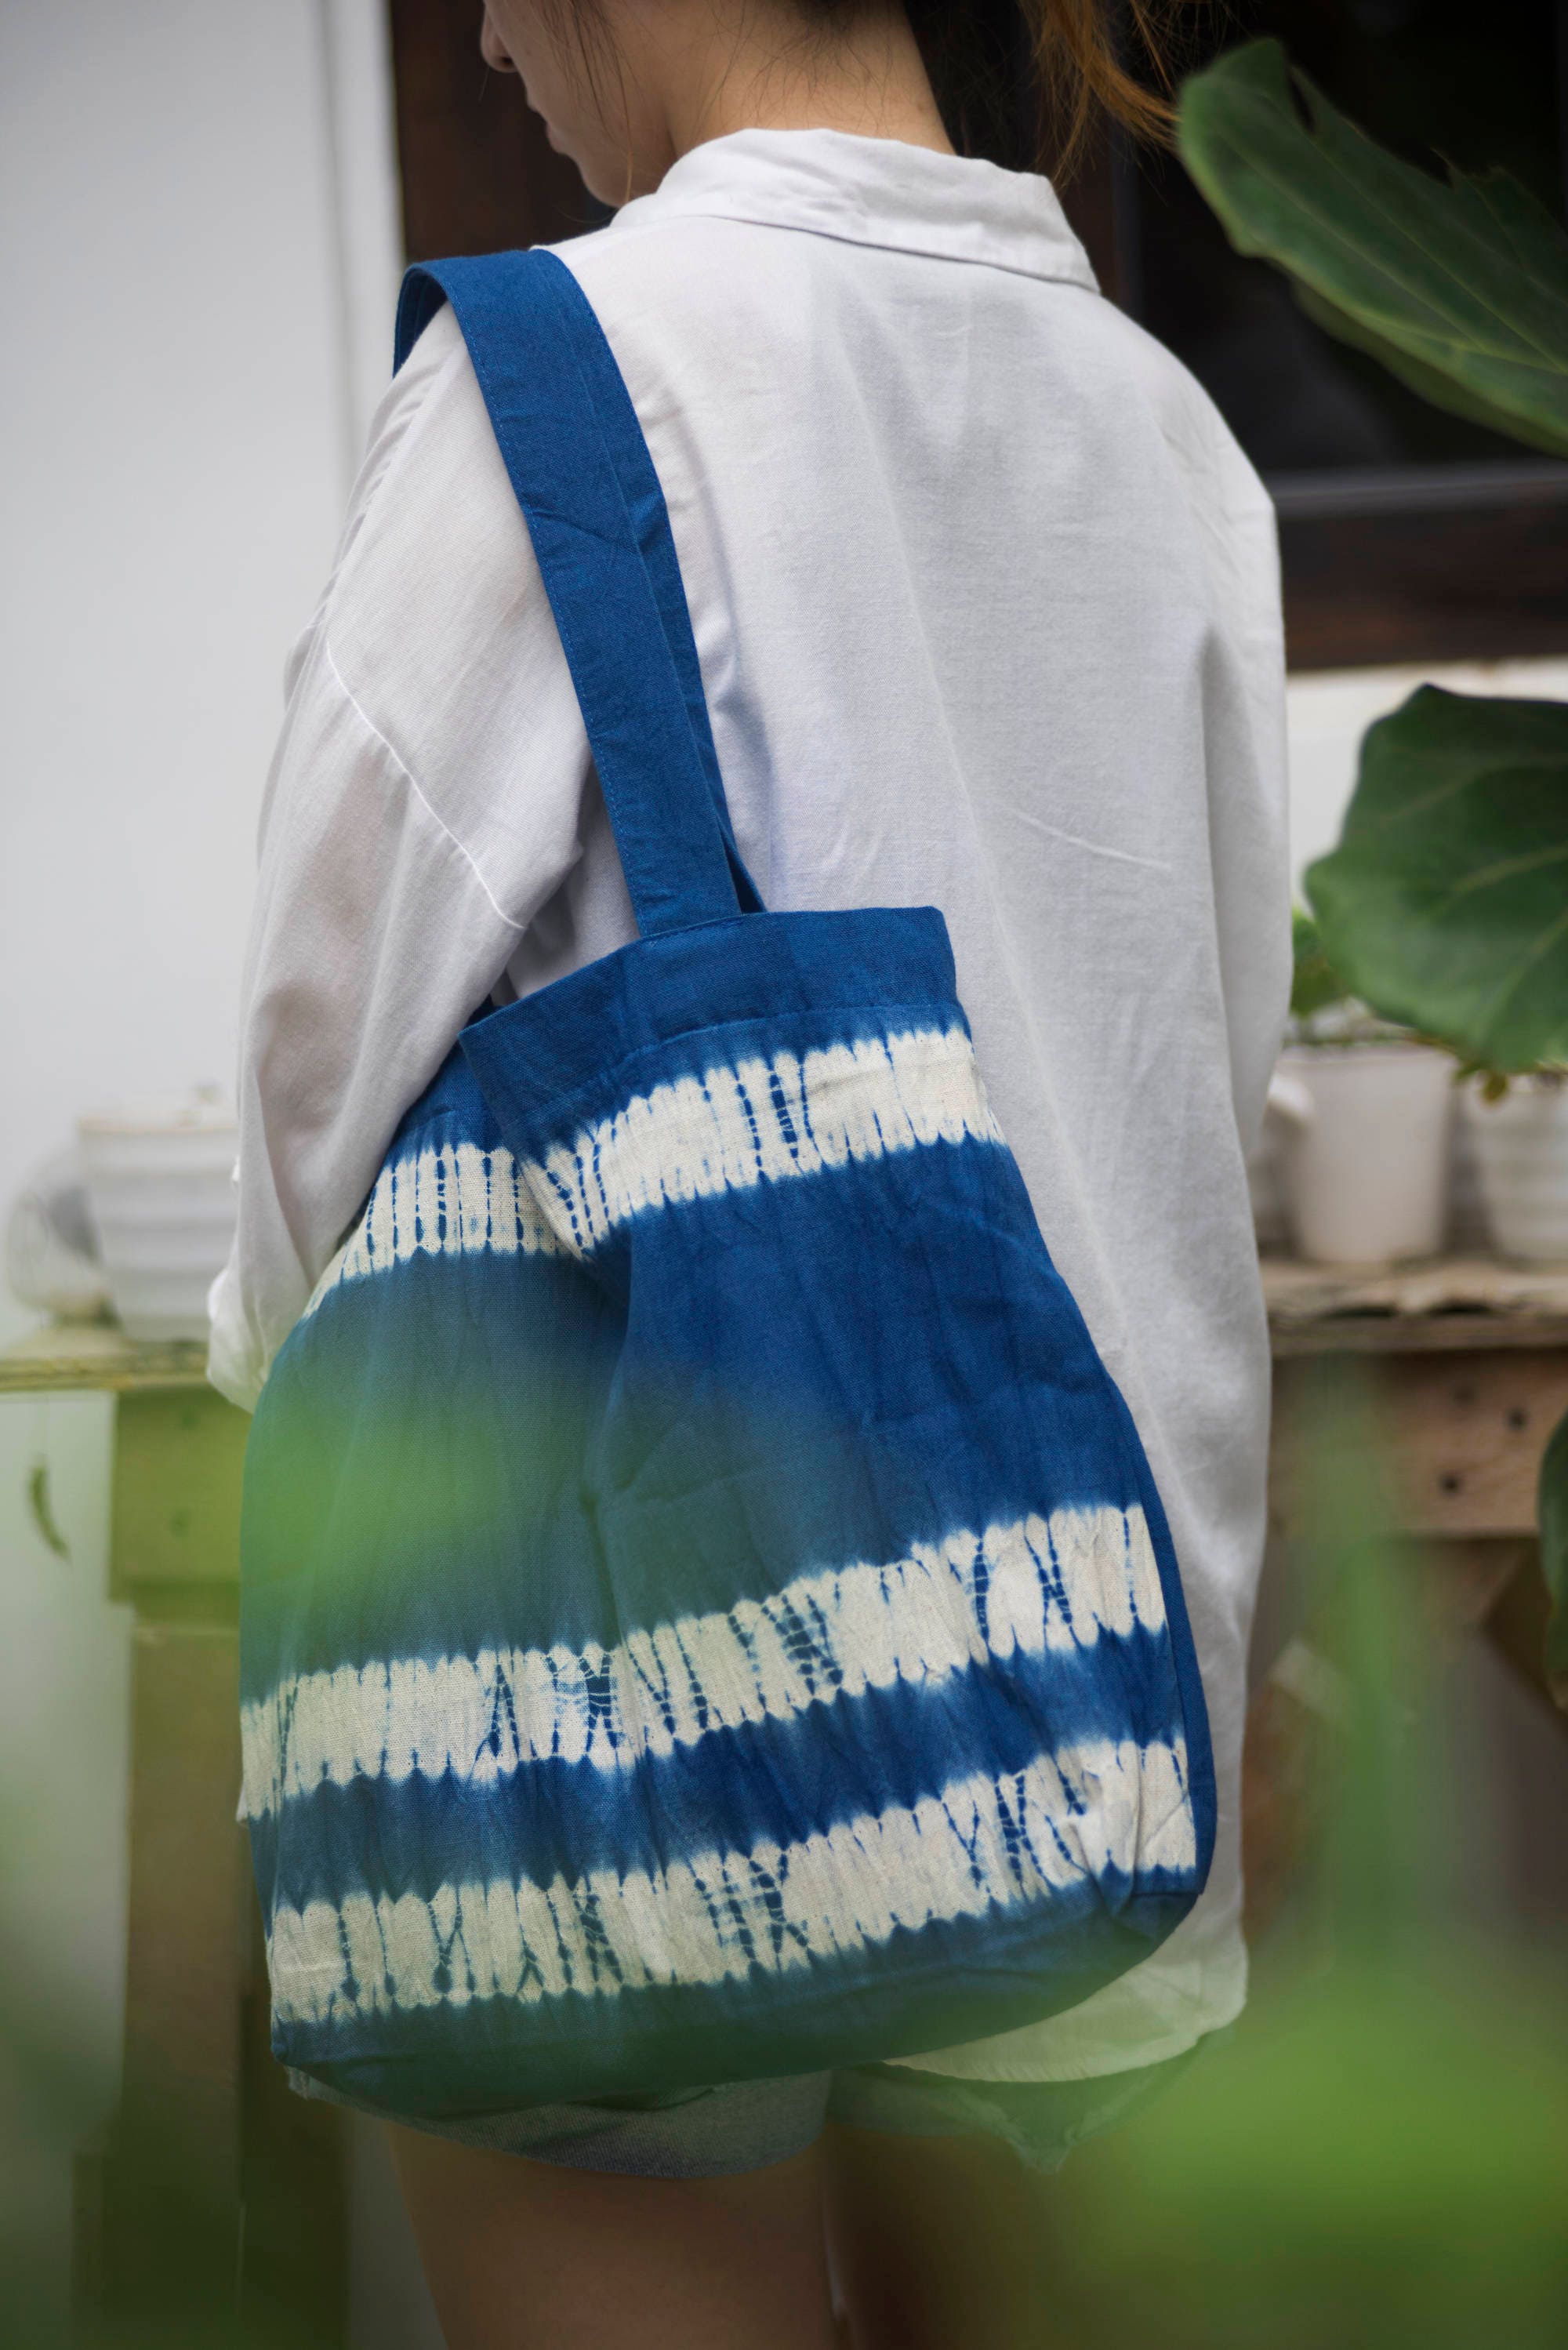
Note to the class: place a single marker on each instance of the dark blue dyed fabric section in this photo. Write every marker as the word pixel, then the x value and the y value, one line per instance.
pixel 936 1375
pixel 648 1011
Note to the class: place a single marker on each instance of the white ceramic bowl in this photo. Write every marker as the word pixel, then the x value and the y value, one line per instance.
pixel 161 1184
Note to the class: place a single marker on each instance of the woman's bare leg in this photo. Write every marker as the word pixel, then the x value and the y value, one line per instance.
pixel 939 2243
pixel 524 2255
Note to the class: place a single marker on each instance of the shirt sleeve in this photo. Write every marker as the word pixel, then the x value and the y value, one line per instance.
pixel 1249 798
pixel 1245 739
pixel 1243 720
pixel 422 804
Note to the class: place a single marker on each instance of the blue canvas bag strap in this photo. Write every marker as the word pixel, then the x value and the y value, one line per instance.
pixel 576 458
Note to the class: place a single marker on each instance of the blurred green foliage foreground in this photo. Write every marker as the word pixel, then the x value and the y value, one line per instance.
pixel 1376 2159
pixel 1373 2156
pixel 1376 2153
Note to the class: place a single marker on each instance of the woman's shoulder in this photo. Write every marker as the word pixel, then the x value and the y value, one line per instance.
pixel 431 513
pixel 1200 441
pixel 428 388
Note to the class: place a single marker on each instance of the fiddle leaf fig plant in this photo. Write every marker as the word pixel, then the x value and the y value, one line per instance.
pixel 1445 905
pixel 1459 286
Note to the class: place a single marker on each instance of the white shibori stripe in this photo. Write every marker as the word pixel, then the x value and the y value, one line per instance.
pixel 717 1917
pixel 731 1129
pixel 1033 1584
pixel 455 1200
pixel 764 1121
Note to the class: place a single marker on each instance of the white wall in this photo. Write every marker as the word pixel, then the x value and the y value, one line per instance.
pixel 198 246
pixel 175 440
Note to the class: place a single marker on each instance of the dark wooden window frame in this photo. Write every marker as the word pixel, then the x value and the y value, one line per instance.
pixel 1453 563
pixel 1408 566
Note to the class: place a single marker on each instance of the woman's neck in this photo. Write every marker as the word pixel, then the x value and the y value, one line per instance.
pixel 699 72
pixel 868 79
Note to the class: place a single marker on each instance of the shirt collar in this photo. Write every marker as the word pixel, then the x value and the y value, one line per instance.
pixel 873 192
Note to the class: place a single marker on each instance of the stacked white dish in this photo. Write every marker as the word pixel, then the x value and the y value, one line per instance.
pixel 160 1182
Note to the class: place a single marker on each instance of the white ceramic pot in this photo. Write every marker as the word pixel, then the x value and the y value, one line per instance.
pixel 160 1182
pixel 1365 1149
pixel 1521 1145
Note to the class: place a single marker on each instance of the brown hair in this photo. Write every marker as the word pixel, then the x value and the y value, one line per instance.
pixel 1067 60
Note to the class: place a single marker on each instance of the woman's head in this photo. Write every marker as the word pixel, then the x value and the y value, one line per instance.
pixel 625 86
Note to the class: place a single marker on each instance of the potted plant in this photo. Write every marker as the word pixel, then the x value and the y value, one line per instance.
pixel 1362 1110
pixel 1445 904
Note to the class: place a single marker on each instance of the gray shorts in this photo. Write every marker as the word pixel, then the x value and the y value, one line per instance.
pixel 749 2125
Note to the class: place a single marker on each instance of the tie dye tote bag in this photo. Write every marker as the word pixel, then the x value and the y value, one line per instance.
pixel 706 1612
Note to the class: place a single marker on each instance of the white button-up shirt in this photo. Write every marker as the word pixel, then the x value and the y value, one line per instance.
pixel 987 606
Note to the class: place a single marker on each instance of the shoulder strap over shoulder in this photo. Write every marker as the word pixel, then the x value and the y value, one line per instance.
pixel 578 461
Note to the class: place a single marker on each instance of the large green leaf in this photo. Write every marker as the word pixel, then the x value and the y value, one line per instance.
pixel 1445 905
pixel 1461 288
pixel 1554 1519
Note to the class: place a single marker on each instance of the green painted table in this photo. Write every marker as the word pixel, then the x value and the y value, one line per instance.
pixel 216 2187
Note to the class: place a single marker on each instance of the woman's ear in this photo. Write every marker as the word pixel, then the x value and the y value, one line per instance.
pixel 492 48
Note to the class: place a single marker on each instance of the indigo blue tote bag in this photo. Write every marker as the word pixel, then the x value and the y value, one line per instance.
pixel 706 1609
